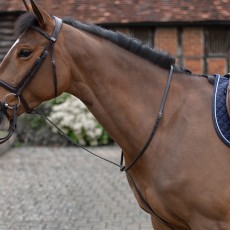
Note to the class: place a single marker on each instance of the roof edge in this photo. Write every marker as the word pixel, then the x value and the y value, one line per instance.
pixel 167 24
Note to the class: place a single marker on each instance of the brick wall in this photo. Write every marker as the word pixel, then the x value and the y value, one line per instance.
pixel 193 49
pixel 166 39
pixel 217 65
pixel 188 46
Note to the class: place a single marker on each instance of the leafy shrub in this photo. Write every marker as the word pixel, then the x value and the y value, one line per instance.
pixel 71 115
pixel 33 130
pixel 75 119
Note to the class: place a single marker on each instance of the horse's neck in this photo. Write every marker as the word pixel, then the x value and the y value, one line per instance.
pixel 123 91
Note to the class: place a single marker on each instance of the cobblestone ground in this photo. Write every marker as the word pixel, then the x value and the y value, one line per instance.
pixel 66 189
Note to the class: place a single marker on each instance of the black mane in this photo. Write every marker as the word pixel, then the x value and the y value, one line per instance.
pixel 27 20
pixel 129 43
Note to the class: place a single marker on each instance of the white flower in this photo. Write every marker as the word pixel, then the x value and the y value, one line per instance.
pixel 72 115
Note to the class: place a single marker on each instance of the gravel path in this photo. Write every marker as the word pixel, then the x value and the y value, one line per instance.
pixel 66 188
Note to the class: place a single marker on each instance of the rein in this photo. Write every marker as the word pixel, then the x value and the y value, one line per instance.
pixel 13 121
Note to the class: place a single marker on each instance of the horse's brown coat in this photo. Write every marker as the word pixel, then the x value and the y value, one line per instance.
pixel 184 174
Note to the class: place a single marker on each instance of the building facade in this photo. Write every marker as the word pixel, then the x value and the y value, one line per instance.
pixel 200 48
pixel 195 32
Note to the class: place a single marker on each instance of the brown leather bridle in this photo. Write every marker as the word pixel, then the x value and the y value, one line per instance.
pixel 16 91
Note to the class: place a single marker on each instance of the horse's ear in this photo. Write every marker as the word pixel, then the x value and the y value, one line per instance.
pixel 40 14
pixel 28 6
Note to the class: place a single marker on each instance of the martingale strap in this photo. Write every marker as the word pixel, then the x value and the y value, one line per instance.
pixel 123 168
pixel 159 116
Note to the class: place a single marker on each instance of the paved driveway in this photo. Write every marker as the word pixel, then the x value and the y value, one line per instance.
pixel 65 188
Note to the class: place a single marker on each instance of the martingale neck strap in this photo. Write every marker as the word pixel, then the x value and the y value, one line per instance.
pixel 122 168
pixel 159 116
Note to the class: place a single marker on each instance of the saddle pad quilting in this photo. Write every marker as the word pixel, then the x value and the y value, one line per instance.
pixel 219 111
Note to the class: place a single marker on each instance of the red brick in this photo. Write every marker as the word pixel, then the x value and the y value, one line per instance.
pixel 217 65
pixel 166 39
pixel 192 42
pixel 195 65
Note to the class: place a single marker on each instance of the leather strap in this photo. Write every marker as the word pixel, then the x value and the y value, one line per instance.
pixel 147 205
pixel 159 116
pixel 13 122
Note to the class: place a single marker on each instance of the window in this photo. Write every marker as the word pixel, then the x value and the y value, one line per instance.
pixel 217 50
pixel 143 34
pixel 217 42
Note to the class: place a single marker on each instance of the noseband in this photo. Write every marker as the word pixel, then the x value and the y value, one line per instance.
pixel 18 90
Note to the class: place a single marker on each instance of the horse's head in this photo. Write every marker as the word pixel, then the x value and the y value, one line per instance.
pixel 28 73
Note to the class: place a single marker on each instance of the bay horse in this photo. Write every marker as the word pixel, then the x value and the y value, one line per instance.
pixel 182 177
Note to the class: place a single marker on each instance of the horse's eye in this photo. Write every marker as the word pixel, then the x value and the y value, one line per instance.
pixel 24 53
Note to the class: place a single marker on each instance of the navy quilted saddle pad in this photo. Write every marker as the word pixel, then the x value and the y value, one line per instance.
pixel 219 111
